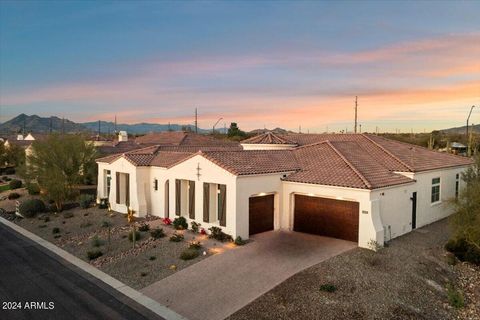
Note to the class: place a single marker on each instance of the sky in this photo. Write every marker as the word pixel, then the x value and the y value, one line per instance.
pixel 415 66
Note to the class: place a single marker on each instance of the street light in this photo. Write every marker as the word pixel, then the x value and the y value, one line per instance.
pixel 471 109
pixel 213 131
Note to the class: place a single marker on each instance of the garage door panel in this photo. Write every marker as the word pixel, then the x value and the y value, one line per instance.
pixel 327 217
pixel 261 214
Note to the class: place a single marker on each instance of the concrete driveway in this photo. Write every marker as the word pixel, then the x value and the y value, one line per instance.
pixel 218 286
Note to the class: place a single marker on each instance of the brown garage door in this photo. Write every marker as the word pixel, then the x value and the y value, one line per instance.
pixel 261 214
pixel 326 217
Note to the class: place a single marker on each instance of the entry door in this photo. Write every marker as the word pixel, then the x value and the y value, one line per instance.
pixel 414 210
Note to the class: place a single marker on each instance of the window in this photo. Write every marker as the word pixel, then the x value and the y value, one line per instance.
pixel 108 182
pixel 457 185
pixel 435 190
pixel 155 184
pixel 222 204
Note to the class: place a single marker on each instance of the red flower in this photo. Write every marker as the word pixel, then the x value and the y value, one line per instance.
pixel 203 232
pixel 167 221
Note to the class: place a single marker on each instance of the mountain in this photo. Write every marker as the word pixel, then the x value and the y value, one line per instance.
pixel 38 124
pixel 140 128
pixel 276 130
pixel 461 130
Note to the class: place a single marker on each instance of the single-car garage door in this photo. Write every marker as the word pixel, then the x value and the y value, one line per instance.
pixel 326 217
pixel 261 214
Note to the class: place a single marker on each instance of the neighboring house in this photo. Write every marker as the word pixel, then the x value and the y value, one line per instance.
pixel 357 187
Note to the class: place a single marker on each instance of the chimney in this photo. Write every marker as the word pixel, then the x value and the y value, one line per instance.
pixel 122 136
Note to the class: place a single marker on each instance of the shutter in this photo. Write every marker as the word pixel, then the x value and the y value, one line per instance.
pixel 206 202
pixel 178 197
pixel 117 185
pixel 222 199
pixel 127 190
pixel 191 199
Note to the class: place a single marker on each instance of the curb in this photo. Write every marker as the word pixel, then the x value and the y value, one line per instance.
pixel 131 293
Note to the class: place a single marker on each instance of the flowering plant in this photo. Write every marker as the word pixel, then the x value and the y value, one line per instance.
pixel 167 221
pixel 203 232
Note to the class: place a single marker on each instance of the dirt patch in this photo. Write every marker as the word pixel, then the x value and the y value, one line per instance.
pixel 406 280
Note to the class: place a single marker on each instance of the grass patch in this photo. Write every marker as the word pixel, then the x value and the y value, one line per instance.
pixel 5 187
pixel 455 297
pixel 328 287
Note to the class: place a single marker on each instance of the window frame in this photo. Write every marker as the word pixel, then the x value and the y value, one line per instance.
pixel 436 196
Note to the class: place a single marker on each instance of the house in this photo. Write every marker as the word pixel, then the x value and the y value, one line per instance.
pixel 358 187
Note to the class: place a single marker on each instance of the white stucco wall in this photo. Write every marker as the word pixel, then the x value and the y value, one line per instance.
pixel 370 227
pixel 248 186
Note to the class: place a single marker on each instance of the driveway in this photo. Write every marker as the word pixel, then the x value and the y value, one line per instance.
pixel 222 284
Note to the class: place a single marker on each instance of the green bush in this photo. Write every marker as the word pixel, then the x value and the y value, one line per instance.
pixel 31 207
pixel 189 254
pixel 157 233
pixel 217 234
pixel 463 250
pixel 455 297
pixel 144 227
pixel 13 196
pixel 152 258
pixel 195 245
pixel 239 241
pixel 33 188
pixel 328 288
pixel 180 223
pixel 56 230
pixel 85 200
pixel 15 184
pixel 94 254
pixel 137 235
pixel 97 242
pixel 195 226
pixel 176 237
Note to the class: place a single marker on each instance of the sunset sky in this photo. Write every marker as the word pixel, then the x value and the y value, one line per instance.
pixel 413 65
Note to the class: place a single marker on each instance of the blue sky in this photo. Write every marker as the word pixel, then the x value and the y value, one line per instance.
pixel 414 65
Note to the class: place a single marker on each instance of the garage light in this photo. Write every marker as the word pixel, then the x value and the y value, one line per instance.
pixel 310 194
pixel 262 194
pixel 339 198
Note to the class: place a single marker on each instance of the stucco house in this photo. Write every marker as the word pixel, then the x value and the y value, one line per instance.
pixel 358 187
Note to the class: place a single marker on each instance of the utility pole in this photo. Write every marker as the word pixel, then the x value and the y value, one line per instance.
pixel 63 125
pixel 99 128
pixel 115 128
pixel 469 119
pixel 360 128
pixel 196 121
pixel 356 106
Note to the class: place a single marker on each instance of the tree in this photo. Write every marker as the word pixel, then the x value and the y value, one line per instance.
pixel 234 131
pixel 11 155
pixel 59 164
pixel 466 218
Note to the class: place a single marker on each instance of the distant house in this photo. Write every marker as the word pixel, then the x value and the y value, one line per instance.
pixel 357 187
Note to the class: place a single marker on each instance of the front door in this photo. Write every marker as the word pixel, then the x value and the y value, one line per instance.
pixel 414 210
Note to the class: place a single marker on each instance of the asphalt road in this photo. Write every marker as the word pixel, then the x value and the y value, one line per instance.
pixel 29 273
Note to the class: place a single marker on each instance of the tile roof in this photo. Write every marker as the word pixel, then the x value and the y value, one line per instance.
pixel 253 161
pixel 181 138
pixel 268 138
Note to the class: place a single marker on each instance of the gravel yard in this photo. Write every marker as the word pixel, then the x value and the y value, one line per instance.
pixel 79 231
pixel 406 280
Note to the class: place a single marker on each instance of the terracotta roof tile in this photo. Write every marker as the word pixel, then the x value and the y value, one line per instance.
pixel 268 138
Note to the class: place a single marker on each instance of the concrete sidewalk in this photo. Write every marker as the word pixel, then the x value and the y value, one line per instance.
pixel 224 283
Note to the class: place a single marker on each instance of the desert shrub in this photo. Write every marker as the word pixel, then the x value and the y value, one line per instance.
pixel 7 179
pixel 94 254
pixel 57 236
pixel 239 241
pixel 180 223
pixel 15 184
pixel 56 230
pixel 13 196
pixel 143 274
pixel 189 254
pixel 42 226
pixel 195 245
pixel 463 250
pixel 68 214
pixel 144 227
pixel 33 188
pixel 105 224
pixel 152 258
pixel 31 207
pixel 176 237
pixel 85 224
pixel 217 234
pixel 157 233
pixel 195 226
pixel 137 235
pixel 84 200
pixel 97 242
pixel 328 287
pixel 455 297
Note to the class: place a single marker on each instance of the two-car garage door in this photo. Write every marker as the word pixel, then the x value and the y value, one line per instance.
pixel 326 217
